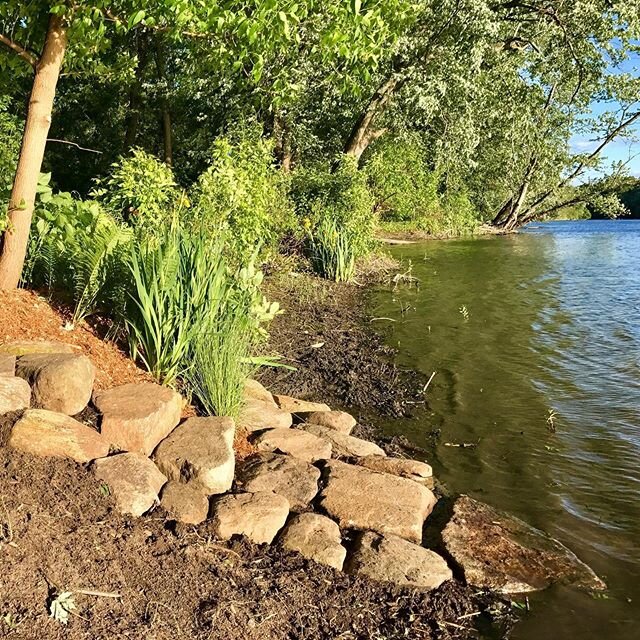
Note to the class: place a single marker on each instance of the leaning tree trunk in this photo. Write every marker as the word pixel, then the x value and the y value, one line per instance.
pixel 34 141
pixel 363 132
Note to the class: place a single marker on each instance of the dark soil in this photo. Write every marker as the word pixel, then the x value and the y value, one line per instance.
pixel 59 532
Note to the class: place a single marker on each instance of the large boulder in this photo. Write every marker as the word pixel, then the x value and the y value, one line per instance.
pixel 290 477
pixel 254 390
pixel 344 445
pixel 133 480
pixel 136 417
pixel 46 433
pixel 295 405
pixel 15 394
pixel 26 347
pixel 61 382
pixel 337 420
pixel 258 516
pixel 199 451
pixel 361 499
pixel 184 502
pixel 502 553
pixel 294 442
pixel 257 414
pixel 7 365
pixel 315 537
pixel 391 559
pixel 403 467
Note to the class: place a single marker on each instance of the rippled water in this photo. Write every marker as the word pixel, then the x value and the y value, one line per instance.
pixel 515 328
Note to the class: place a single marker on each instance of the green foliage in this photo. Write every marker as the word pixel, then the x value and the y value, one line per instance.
pixel 140 189
pixel 336 210
pixel 10 132
pixel 243 196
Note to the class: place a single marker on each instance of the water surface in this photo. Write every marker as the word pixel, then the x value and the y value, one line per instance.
pixel 518 329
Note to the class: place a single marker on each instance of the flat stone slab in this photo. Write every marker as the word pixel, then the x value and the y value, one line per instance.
pixel 361 499
pixel 25 347
pixel 295 405
pixel 254 390
pixel 257 414
pixel 344 445
pixel 287 476
pixel 294 442
pixel 402 467
pixel 199 451
pixel 504 554
pixel 46 433
pixel 258 516
pixel 61 382
pixel 184 502
pixel 7 365
pixel 337 420
pixel 133 480
pixel 15 394
pixel 136 417
pixel 392 559
pixel 315 537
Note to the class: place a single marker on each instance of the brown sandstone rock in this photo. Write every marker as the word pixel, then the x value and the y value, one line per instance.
pixel 7 365
pixel 46 433
pixel 294 442
pixel 336 420
pixel 295 405
pixel 257 415
pixel 254 390
pixel 136 417
pixel 259 516
pixel 61 382
pixel 199 451
pixel 361 499
pixel 344 445
pixel 392 559
pixel 315 537
pixel 502 553
pixel 15 394
pixel 405 468
pixel 26 347
pixel 184 502
pixel 290 477
pixel 133 480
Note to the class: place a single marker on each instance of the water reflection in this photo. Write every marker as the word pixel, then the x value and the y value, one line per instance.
pixel 519 329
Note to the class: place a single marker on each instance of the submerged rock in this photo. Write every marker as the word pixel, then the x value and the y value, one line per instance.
pixel 361 499
pixel 61 382
pixel 392 559
pixel 287 476
pixel 136 417
pixel 502 553
pixel 403 467
pixel 315 537
pixel 258 516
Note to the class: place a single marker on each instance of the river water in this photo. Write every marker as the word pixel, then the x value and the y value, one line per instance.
pixel 520 328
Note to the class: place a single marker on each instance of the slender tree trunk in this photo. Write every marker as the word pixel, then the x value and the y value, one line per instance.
pixel 282 137
pixel 135 95
pixel 167 133
pixel 34 141
pixel 363 132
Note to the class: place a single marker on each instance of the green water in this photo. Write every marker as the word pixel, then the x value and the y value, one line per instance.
pixel 515 328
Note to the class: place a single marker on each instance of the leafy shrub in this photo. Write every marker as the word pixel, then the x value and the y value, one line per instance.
pixel 140 189
pixel 244 194
pixel 336 209
pixel 10 134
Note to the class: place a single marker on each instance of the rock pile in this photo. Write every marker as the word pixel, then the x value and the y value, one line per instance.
pixel 311 486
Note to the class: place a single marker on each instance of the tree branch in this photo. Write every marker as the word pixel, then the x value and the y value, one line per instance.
pixel 74 144
pixel 20 50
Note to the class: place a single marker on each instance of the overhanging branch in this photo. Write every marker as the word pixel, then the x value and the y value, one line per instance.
pixel 19 50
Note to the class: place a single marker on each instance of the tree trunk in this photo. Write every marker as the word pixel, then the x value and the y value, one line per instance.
pixel 135 94
pixel 34 141
pixel 363 133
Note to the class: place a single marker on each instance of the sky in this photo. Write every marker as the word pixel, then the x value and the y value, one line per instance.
pixel 620 149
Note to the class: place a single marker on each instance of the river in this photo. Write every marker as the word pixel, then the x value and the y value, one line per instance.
pixel 534 339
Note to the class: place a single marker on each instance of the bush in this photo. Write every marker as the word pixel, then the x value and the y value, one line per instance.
pixel 140 189
pixel 244 196
pixel 10 135
pixel 336 210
